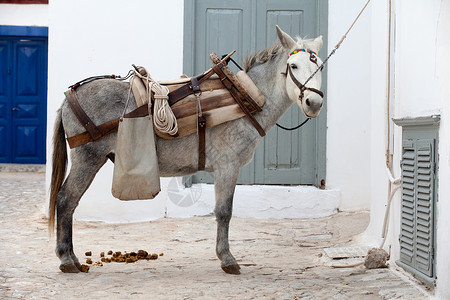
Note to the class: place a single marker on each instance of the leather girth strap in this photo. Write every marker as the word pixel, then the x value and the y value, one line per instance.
pixel 105 128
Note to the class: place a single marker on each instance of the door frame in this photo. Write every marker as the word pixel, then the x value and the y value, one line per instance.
pixel 322 27
pixel 35 33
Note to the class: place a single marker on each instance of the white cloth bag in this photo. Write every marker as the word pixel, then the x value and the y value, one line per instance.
pixel 136 172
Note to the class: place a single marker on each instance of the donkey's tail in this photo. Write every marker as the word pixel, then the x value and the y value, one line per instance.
pixel 59 167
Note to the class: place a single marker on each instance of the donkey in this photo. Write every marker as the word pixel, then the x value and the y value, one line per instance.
pixel 276 71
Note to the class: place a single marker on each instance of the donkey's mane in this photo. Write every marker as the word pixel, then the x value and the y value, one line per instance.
pixel 269 54
pixel 263 56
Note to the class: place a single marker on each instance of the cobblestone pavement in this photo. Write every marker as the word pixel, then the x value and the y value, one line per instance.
pixel 280 259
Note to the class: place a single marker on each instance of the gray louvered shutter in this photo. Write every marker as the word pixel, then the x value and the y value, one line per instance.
pixel 407 220
pixel 417 221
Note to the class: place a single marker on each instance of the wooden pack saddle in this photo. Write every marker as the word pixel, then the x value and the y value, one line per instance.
pixel 209 99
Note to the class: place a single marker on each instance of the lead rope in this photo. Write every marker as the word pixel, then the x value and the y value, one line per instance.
pixel 325 61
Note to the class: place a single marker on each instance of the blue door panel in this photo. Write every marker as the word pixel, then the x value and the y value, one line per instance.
pixel 4 147
pixel 23 118
pixel 29 100
pixel 4 55
pixel 27 143
pixel 27 67
pixel 27 111
pixel 5 101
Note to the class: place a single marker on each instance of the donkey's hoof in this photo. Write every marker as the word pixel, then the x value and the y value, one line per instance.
pixel 78 265
pixel 69 268
pixel 232 269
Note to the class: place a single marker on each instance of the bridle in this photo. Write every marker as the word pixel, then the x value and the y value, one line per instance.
pixel 303 87
pixel 313 58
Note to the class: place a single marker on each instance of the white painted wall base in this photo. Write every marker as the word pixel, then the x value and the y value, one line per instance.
pixel 175 201
pixel 262 202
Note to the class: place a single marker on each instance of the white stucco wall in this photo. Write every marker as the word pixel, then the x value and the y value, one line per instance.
pixel 417 91
pixel 443 206
pixel 356 141
pixel 24 15
pixel 349 105
pixel 106 37
pixel 421 89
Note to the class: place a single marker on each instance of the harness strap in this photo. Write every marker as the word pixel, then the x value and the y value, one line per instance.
pixel 87 80
pixel 201 125
pixel 201 128
pixel 227 83
pixel 187 89
pixel 82 117
pixel 106 128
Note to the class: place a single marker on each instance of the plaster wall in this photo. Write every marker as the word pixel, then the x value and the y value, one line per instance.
pixel 111 37
pixel 411 99
pixel 442 65
pixel 24 15
pixel 420 88
pixel 349 103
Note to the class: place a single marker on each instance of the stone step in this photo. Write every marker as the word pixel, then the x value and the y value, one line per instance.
pixel 16 168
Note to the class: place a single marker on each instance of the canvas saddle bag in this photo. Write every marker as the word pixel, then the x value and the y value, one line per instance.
pixel 136 172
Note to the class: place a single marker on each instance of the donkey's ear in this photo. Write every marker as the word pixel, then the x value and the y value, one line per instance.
pixel 285 39
pixel 317 44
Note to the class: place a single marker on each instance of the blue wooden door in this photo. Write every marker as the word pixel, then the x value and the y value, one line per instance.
pixel 23 99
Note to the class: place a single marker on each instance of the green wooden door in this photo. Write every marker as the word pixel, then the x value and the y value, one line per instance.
pixel 296 157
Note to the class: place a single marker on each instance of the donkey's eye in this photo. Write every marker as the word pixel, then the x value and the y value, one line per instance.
pixel 293 66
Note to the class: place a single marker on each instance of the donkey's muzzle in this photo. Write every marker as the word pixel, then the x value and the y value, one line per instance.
pixel 312 104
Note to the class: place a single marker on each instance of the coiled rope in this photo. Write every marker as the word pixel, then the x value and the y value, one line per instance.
pixel 163 117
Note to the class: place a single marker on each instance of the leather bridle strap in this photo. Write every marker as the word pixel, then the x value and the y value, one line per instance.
pixel 302 87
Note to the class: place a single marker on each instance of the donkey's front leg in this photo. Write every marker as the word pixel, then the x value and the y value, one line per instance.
pixel 224 185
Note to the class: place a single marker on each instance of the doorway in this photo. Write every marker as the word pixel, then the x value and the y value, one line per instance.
pixel 23 94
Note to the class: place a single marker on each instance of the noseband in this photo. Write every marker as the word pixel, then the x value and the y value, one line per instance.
pixel 303 87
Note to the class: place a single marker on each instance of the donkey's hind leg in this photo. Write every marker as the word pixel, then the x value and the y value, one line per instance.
pixel 81 174
pixel 224 185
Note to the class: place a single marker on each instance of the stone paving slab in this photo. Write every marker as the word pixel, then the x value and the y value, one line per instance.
pixel 280 259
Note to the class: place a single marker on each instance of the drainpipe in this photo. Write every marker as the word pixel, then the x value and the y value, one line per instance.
pixel 393 183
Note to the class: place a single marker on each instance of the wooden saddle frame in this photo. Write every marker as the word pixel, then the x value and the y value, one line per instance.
pixel 191 86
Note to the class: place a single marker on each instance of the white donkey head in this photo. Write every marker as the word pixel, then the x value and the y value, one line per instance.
pixel 302 62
